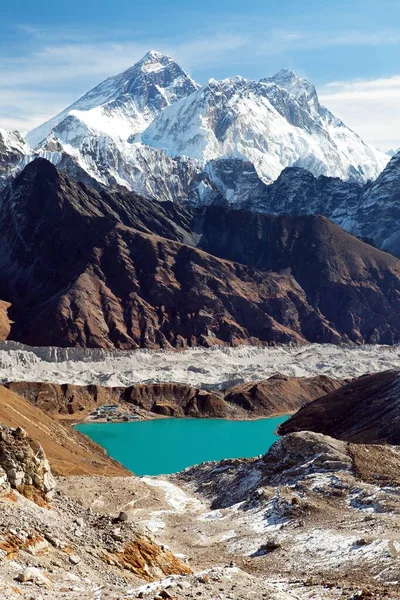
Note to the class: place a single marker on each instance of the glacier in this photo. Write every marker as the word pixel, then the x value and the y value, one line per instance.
pixel 216 367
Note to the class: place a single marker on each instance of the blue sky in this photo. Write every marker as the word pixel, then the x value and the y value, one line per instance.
pixel 52 52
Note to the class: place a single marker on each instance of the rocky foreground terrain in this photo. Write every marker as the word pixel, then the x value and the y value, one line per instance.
pixel 365 410
pixel 314 518
pixel 68 451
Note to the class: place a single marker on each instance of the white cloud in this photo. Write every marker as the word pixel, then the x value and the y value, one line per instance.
pixel 370 107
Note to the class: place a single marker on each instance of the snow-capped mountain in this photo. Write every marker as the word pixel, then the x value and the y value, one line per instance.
pixel 91 136
pixel 13 153
pixel 264 145
pixel 125 104
pixel 153 130
pixel 273 123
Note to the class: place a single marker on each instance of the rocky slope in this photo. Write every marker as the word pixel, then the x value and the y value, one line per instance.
pixel 69 452
pixel 367 410
pixel 313 518
pixel 369 211
pixel 301 522
pixel 273 396
pixel 24 466
pixel 62 550
pixel 113 270
pixel 378 213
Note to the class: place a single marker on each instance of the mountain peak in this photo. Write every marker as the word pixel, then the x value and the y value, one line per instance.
pixel 288 79
pixel 122 105
pixel 283 74
pixel 302 89
pixel 153 55
pixel 39 167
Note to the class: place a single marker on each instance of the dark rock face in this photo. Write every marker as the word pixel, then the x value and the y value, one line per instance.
pixel 350 283
pixel 370 211
pixel 366 410
pixel 111 269
pixel 273 396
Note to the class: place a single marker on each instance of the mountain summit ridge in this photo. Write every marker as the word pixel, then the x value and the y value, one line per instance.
pixel 274 123
pixel 135 95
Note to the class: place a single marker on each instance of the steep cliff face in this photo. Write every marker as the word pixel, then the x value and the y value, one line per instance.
pixel 366 410
pixel 114 270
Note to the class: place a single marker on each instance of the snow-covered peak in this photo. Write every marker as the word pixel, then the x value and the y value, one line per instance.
pixel 152 59
pixel 13 140
pixel 126 103
pixel 275 123
pixel 153 55
pixel 302 89
pixel 14 153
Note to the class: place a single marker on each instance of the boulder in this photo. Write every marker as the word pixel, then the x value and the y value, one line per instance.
pixel 23 464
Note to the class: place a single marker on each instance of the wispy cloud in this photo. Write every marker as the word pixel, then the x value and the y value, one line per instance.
pixel 370 107
pixel 283 40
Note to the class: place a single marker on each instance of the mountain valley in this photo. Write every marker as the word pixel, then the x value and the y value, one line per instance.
pixel 226 251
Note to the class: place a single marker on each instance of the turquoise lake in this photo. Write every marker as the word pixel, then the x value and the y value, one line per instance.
pixel 164 446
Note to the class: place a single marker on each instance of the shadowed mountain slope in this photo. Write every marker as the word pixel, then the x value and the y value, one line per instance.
pixel 366 410
pixel 114 270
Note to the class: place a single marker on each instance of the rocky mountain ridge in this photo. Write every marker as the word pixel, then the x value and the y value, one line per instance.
pixel 267 398
pixel 111 269
pixel 370 211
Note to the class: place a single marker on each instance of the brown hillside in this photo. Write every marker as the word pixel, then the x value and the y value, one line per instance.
pixel 69 452
pixel 367 410
pixel 113 270
pixel 276 395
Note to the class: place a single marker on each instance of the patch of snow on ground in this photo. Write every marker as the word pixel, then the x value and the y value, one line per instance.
pixel 174 495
